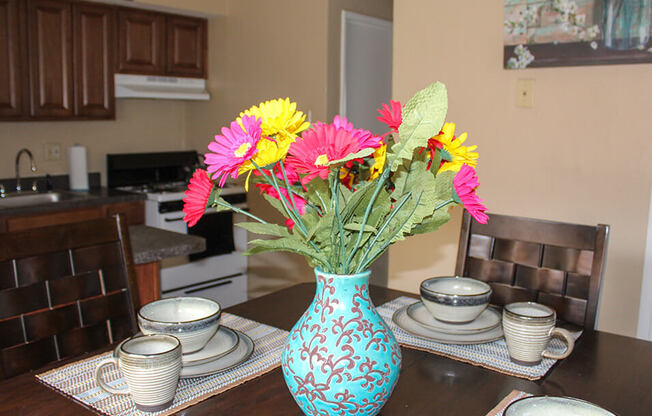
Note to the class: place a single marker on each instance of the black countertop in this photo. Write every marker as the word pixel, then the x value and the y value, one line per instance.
pixel 148 244
pixel 76 199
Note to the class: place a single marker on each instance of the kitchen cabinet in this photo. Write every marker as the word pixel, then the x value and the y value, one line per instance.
pixel 93 47
pixel 50 58
pixel 11 61
pixel 154 43
pixel 186 54
pixel 141 42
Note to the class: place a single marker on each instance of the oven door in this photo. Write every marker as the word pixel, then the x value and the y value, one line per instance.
pixel 217 229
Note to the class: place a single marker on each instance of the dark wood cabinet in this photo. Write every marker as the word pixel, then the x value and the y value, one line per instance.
pixel 50 58
pixel 11 61
pixel 93 30
pixel 58 57
pixel 141 39
pixel 186 51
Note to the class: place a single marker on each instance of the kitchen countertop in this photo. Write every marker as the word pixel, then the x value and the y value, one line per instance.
pixel 76 199
pixel 150 244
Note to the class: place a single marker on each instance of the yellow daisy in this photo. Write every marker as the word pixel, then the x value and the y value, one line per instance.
pixel 458 155
pixel 379 162
pixel 269 152
pixel 280 118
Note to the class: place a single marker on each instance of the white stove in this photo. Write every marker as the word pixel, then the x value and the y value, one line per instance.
pixel 219 273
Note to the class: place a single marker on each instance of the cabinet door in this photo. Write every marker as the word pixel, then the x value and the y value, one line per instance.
pixel 186 39
pixel 93 30
pixel 141 42
pixel 11 70
pixel 50 58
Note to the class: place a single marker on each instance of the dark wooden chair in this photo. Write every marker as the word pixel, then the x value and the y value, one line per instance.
pixel 64 290
pixel 524 259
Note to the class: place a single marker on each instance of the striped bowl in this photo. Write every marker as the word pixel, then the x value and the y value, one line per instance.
pixel 193 320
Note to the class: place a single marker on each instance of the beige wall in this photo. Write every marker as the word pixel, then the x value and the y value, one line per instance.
pixel 582 154
pixel 140 126
pixel 263 50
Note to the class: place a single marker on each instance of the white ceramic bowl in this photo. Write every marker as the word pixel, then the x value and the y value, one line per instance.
pixel 557 406
pixel 455 299
pixel 193 320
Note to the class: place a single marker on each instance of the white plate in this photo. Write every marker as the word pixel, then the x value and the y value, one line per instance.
pixel 223 342
pixel 558 406
pixel 403 320
pixel 239 355
pixel 488 319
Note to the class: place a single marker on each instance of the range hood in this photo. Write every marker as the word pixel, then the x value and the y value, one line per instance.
pixel 166 88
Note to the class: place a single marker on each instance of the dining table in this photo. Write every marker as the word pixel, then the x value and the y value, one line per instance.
pixel 610 370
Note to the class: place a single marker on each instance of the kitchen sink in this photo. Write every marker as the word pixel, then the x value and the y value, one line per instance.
pixel 25 199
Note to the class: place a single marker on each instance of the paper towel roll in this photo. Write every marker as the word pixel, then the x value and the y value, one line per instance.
pixel 77 168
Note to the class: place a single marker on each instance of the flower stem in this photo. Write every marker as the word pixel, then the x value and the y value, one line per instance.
pixel 339 223
pixel 240 211
pixel 380 231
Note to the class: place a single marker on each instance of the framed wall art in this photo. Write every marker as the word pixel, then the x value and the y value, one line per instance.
pixel 543 33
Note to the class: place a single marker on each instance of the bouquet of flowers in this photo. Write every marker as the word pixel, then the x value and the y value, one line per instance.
pixel 346 193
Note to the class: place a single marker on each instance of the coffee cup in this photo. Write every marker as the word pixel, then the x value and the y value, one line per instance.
pixel 528 328
pixel 151 365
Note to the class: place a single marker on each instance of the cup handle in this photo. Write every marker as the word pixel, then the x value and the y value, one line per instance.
pixel 101 383
pixel 570 343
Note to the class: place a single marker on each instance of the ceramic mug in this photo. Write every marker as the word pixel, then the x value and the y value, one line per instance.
pixel 528 328
pixel 151 365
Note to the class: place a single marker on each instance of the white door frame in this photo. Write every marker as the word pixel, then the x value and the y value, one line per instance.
pixel 358 18
pixel 644 330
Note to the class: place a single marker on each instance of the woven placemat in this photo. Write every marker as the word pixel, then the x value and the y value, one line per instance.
pixel 511 397
pixel 491 355
pixel 77 379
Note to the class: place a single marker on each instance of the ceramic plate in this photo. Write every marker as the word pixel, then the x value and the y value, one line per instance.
pixel 488 319
pixel 223 342
pixel 403 320
pixel 558 406
pixel 239 355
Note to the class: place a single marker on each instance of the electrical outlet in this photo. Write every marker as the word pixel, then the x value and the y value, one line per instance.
pixel 525 93
pixel 52 151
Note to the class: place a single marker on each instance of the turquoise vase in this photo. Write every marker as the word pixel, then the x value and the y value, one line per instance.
pixel 341 358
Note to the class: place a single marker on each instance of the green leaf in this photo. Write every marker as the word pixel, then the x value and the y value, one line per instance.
pixel 362 153
pixel 318 193
pixel 274 230
pixel 321 231
pixel 356 227
pixel 423 117
pixel 438 218
pixel 290 244
pixel 276 204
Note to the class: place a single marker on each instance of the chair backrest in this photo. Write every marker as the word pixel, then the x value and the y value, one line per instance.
pixel 525 259
pixel 64 290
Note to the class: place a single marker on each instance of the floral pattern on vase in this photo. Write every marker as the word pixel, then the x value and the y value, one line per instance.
pixel 340 358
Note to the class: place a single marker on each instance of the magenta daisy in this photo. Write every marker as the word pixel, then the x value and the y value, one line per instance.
pixel 391 115
pixel 194 204
pixel 364 137
pixel 233 148
pixel 465 183
pixel 318 146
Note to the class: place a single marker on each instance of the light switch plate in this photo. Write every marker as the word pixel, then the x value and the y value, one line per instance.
pixel 52 151
pixel 525 93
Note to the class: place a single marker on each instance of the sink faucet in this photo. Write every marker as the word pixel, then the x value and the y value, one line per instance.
pixel 32 166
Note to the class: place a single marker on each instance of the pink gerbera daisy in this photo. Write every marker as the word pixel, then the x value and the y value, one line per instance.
pixel 298 200
pixel 318 146
pixel 465 183
pixel 233 148
pixel 391 115
pixel 364 137
pixel 194 204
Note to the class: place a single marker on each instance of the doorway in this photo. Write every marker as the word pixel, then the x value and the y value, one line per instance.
pixel 366 83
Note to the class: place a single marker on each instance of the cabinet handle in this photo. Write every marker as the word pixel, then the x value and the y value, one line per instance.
pixel 173 219
pixel 228 282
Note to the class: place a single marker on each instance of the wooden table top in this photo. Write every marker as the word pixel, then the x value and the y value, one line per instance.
pixel 610 370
